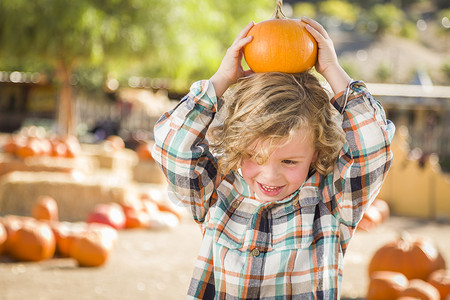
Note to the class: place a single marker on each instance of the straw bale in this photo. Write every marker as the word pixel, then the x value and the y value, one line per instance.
pixel 148 172
pixel 120 160
pixel 76 194
pixel 10 163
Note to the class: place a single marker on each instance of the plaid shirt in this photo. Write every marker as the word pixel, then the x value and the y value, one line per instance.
pixel 292 248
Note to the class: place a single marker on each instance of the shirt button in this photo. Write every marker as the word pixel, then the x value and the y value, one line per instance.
pixel 255 252
pixel 235 204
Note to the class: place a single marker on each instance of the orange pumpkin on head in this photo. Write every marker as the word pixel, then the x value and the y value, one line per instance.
pixel 280 45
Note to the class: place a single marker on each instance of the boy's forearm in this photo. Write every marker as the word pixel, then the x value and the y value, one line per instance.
pixel 337 78
pixel 220 84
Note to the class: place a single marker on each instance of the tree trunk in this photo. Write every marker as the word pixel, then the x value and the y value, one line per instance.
pixel 65 121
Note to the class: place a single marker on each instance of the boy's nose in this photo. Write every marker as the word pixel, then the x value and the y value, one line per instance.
pixel 270 172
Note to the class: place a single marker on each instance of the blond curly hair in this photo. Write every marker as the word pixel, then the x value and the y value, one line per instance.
pixel 267 109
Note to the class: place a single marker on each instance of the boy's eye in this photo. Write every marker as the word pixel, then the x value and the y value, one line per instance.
pixel 289 162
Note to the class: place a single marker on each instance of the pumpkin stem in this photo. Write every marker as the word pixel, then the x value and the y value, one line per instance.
pixel 278 13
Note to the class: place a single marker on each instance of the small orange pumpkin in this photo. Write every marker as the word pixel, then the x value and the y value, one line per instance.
pixel 12 224
pixel 34 241
pixel 144 151
pixel 440 279
pixel 415 257
pixel 11 145
pixel 31 148
pixel 3 237
pixel 45 208
pixel 73 146
pixel 386 285
pixel 135 213
pixel 371 218
pixel 137 219
pixel 59 148
pixel 280 45
pixel 420 289
pixel 65 233
pixel 93 248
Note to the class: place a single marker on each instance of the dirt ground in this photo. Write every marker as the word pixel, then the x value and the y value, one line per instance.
pixel 158 264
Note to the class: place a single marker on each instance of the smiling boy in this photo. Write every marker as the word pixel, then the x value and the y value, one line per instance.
pixel 282 186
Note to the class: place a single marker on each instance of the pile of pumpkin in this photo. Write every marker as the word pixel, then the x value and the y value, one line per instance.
pixel 408 268
pixel 90 243
pixel 31 145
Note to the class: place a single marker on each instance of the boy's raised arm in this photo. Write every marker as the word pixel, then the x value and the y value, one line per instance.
pixel 230 69
pixel 365 157
pixel 181 150
pixel 327 62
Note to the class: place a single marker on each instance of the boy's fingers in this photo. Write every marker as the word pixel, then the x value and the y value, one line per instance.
pixel 244 31
pixel 316 25
pixel 317 36
pixel 239 44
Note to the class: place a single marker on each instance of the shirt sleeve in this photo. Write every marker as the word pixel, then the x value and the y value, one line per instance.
pixel 364 159
pixel 182 151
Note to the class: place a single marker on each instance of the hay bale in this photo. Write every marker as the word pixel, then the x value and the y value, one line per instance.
pixel 11 163
pixel 76 194
pixel 119 160
pixel 148 172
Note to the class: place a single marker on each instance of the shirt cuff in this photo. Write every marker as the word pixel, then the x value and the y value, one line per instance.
pixel 340 100
pixel 203 93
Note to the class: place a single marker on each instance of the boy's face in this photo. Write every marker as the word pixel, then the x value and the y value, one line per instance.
pixel 285 170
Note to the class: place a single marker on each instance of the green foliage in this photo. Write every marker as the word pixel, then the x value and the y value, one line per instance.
pixel 384 72
pixel 409 30
pixel 387 17
pixel 446 69
pixel 367 4
pixel 183 40
pixel 305 9
pixel 89 78
pixel 200 33
pixel 70 33
pixel 351 67
pixel 341 10
pixel 172 38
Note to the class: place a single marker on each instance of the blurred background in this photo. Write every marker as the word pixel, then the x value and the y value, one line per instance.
pixel 95 75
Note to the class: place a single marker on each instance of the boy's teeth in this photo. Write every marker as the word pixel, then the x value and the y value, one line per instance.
pixel 269 188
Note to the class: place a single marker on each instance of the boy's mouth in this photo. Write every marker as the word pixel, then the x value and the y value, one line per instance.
pixel 267 189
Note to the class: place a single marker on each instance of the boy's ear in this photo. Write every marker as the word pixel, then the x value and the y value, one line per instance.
pixel 315 156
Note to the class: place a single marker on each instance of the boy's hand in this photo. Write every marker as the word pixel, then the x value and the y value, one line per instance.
pixel 327 62
pixel 230 69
